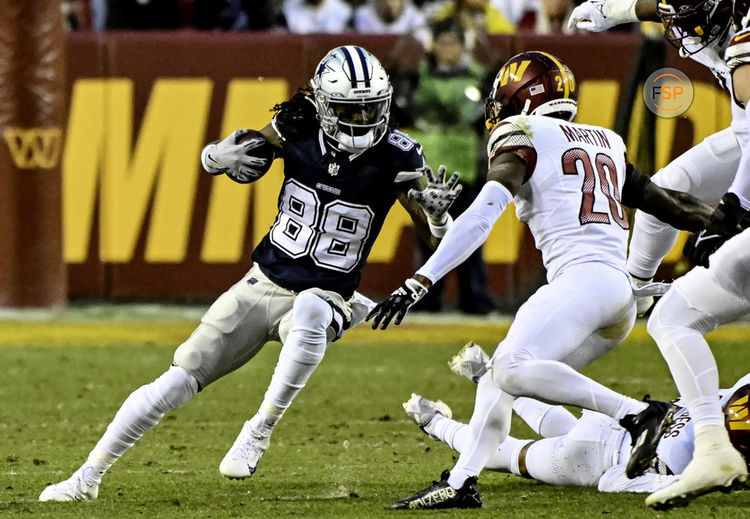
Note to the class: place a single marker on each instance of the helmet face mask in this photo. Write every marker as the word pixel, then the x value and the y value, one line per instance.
pixel 532 83
pixel 352 96
pixel 693 25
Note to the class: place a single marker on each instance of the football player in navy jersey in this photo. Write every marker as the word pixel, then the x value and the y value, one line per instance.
pixel 343 170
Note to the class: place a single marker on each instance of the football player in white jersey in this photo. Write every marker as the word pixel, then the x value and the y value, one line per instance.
pixel 718 291
pixel 568 182
pixel 344 168
pixel 588 451
pixel 707 169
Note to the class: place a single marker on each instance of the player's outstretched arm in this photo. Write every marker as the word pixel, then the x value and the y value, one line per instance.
pixel 600 15
pixel 465 235
pixel 399 302
pixel 727 220
pixel 428 200
pixel 680 210
pixel 436 198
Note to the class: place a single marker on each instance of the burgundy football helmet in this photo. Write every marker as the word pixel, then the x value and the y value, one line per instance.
pixel 692 25
pixel 737 420
pixel 532 83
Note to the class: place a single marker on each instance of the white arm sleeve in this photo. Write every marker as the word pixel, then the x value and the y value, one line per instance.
pixel 468 232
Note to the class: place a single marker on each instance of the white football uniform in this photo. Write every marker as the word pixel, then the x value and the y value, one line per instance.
pixel 594 452
pixel 230 334
pixel 571 202
pixel 705 171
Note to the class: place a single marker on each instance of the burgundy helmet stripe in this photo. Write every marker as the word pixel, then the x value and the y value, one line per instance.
pixel 564 75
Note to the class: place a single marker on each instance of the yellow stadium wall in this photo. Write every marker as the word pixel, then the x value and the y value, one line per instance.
pixel 142 221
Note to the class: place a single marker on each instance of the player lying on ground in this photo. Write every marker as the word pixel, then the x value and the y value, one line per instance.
pixel 569 183
pixel 713 32
pixel 588 451
pixel 343 170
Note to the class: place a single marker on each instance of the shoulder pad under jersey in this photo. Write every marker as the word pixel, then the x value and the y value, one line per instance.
pixel 508 135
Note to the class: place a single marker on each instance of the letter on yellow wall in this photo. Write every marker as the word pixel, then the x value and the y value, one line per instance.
pixel 163 165
pixel 248 106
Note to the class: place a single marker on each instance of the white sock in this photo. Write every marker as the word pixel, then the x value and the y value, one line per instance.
pixel 454 434
pixel 544 419
pixel 488 428
pixel 301 354
pixel 678 331
pixel 505 458
pixel 652 239
pixel 140 412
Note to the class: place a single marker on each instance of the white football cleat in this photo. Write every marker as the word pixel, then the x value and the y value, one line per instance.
pixel 78 487
pixel 241 461
pixel 717 466
pixel 422 411
pixel 470 362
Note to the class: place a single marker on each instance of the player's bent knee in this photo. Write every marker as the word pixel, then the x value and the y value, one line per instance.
pixel 180 386
pixel 196 355
pixel 674 317
pixel 311 312
pixel 175 387
pixel 674 177
pixel 662 320
pixel 505 373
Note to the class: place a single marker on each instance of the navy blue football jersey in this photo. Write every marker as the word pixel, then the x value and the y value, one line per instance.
pixel 331 208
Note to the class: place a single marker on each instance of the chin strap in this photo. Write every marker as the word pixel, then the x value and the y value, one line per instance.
pixel 526 106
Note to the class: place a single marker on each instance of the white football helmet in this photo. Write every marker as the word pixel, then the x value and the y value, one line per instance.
pixel 352 96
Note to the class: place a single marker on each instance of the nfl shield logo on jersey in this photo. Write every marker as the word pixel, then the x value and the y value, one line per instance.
pixel 333 169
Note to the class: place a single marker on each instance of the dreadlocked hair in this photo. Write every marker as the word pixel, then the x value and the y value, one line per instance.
pixel 297 117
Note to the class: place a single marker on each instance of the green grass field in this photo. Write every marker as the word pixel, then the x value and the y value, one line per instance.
pixel 344 450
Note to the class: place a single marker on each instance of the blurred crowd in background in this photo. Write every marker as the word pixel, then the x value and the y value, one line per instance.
pixel 321 16
pixel 439 101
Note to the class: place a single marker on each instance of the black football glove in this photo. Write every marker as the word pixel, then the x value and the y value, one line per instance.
pixel 728 219
pixel 397 304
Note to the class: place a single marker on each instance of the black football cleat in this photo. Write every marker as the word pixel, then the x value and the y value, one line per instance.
pixel 441 495
pixel 646 429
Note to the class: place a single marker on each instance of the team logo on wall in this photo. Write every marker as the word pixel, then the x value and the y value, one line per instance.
pixel 34 148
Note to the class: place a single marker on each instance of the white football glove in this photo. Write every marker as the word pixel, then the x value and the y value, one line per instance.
pixel 438 196
pixel 600 15
pixel 231 158
pixel 644 291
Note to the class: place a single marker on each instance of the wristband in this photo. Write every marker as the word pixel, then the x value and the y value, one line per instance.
pixel 439 230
